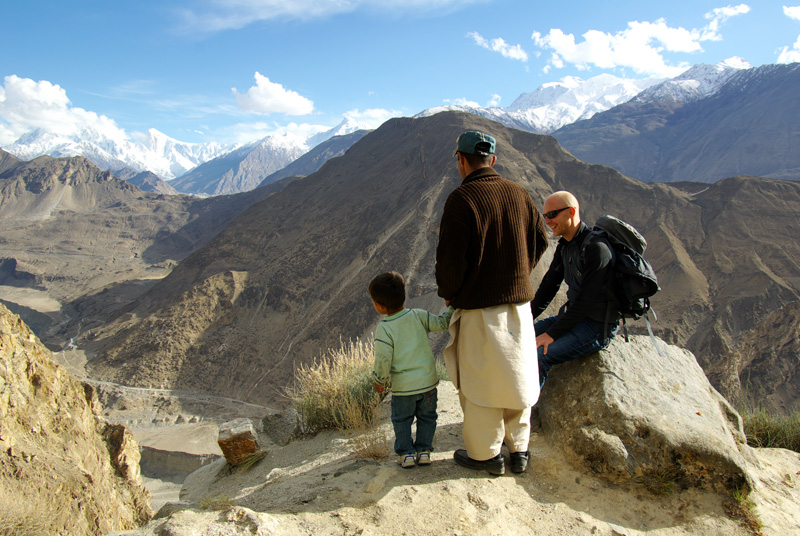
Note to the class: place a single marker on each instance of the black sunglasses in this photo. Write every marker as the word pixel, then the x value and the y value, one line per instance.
pixel 553 213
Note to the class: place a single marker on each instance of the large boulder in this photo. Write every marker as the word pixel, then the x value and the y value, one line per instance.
pixel 63 469
pixel 634 412
pixel 239 442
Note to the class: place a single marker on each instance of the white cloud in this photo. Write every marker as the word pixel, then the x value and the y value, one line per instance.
pixel 718 16
pixel 786 54
pixel 641 46
pixel 494 101
pixel 793 12
pixel 514 52
pixel 790 55
pixel 26 104
pixel 268 97
pixel 234 14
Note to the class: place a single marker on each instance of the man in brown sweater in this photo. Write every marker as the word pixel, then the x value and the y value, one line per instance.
pixel 490 238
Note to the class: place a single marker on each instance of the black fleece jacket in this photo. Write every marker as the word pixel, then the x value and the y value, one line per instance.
pixel 587 272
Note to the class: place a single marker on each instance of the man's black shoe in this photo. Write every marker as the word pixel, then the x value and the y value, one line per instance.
pixel 495 466
pixel 519 461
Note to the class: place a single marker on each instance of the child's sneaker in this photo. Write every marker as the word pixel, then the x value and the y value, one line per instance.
pixel 406 461
pixel 424 457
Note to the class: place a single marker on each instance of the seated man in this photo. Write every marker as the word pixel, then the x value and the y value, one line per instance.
pixel 588 321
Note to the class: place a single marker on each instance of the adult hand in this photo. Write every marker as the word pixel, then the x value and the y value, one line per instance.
pixel 544 340
pixel 378 387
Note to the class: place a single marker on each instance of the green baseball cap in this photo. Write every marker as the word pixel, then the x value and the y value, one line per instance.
pixel 474 142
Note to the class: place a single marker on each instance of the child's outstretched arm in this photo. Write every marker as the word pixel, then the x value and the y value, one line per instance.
pixel 440 322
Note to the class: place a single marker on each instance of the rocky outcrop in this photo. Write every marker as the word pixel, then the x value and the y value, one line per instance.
pixel 633 412
pixel 318 485
pixel 63 469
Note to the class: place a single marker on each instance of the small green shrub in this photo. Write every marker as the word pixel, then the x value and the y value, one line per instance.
pixel 743 509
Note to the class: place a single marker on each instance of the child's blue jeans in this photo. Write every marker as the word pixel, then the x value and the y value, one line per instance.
pixel 404 409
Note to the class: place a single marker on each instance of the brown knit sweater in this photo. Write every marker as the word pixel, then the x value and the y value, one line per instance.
pixel 490 238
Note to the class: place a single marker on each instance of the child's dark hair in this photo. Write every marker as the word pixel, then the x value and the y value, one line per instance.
pixel 389 290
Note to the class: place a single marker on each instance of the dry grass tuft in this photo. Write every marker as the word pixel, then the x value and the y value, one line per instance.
pixel 768 430
pixel 335 392
pixel 28 515
pixel 659 481
pixel 369 438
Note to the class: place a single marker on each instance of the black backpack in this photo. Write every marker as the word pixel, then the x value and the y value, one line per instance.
pixel 633 280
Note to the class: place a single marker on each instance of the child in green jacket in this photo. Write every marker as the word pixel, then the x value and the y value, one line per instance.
pixel 404 362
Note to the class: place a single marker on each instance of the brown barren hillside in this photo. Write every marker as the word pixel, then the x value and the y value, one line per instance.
pixel 86 243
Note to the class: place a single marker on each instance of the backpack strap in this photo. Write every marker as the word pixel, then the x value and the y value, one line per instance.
pixel 612 304
pixel 650 330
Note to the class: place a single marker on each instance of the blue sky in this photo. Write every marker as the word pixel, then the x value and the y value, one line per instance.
pixel 236 70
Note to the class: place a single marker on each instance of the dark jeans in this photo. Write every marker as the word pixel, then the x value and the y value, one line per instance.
pixel 404 409
pixel 585 338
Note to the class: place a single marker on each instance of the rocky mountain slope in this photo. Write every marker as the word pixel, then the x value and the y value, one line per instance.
pixel 287 279
pixel 63 469
pixel 76 242
pixel 685 132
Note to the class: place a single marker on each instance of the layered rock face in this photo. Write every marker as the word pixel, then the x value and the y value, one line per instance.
pixel 63 469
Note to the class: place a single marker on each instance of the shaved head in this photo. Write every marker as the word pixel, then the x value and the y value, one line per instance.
pixel 562 199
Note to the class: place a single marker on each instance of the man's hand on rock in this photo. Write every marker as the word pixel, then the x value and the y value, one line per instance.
pixel 544 340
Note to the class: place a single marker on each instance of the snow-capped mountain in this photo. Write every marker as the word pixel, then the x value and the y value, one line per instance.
pixel 697 83
pixel 153 151
pixel 560 103
pixel 156 152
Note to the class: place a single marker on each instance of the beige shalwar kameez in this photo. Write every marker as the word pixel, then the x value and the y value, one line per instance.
pixel 491 359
